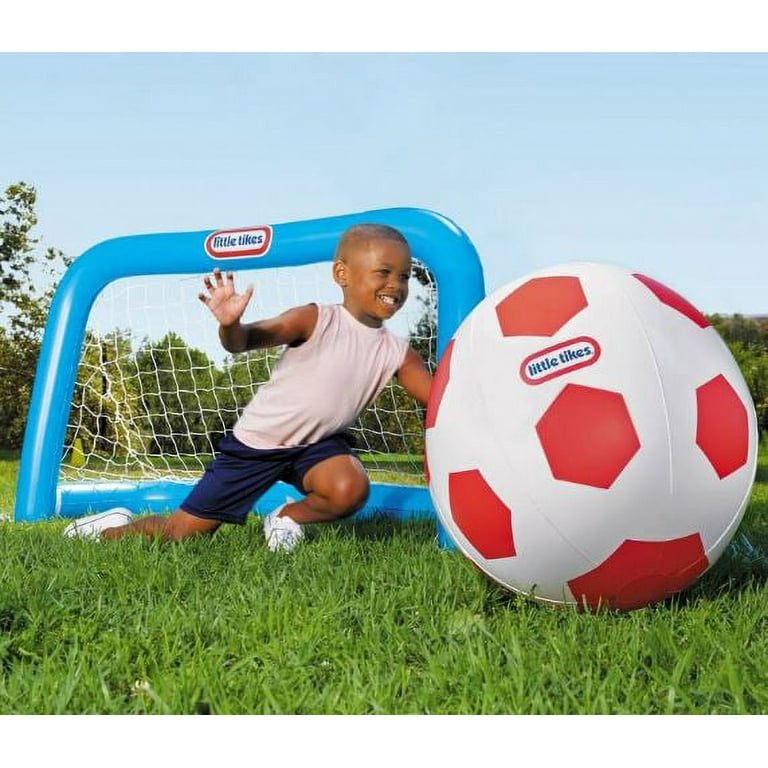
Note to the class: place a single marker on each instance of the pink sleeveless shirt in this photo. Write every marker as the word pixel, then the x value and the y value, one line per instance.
pixel 321 386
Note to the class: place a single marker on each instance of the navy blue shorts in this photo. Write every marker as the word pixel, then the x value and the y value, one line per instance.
pixel 239 475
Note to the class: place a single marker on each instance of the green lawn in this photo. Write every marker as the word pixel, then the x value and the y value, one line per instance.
pixel 368 617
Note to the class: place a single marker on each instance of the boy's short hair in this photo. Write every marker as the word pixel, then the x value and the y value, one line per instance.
pixel 362 232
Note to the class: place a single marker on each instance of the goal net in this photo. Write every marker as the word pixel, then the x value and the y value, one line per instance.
pixel 155 391
pixel 133 389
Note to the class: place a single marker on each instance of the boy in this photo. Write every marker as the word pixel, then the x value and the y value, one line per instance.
pixel 337 358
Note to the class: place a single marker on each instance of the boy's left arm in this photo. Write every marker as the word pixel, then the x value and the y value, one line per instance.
pixel 414 377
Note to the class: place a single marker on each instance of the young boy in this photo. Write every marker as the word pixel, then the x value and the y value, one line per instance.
pixel 337 358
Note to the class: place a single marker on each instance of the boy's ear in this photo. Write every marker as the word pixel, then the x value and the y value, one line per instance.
pixel 340 272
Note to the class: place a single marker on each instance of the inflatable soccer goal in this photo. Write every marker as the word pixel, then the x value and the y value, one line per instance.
pixel 133 389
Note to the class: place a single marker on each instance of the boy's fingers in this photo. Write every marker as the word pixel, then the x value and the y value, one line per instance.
pixel 205 299
pixel 217 275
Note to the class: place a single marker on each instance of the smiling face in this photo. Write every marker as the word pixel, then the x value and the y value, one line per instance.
pixel 373 275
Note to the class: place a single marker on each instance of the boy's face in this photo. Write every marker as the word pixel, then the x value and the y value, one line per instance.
pixel 373 274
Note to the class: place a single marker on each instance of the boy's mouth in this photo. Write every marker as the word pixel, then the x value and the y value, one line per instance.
pixel 389 301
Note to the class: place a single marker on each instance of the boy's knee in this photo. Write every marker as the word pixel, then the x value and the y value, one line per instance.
pixel 349 493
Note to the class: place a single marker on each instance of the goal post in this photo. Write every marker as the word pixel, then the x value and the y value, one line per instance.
pixel 56 428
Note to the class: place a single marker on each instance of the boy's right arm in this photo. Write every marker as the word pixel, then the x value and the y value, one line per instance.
pixel 291 327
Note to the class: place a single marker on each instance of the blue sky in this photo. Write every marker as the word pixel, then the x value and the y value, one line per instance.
pixel 658 162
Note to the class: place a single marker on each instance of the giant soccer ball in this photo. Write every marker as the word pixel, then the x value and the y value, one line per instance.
pixel 590 439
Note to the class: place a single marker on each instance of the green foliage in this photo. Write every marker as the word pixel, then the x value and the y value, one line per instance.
pixel 754 367
pixel 105 398
pixel 394 424
pixel 16 361
pixel 23 306
pixel 747 338
pixel 17 219
pixel 235 381
pixel 176 384
pixel 423 337
pixel 751 332
pixel 18 253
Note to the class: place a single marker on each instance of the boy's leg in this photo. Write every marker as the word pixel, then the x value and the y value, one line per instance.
pixel 180 525
pixel 224 494
pixel 336 488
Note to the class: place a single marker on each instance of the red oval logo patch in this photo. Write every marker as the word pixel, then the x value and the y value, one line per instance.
pixel 559 359
pixel 239 243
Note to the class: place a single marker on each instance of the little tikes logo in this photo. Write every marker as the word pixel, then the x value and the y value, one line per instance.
pixel 239 243
pixel 560 359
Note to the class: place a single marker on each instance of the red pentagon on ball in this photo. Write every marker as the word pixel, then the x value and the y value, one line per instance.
pixel 588 436
pixel 480 515
pixel 722 426
pixel 638 573
pixel 674 300
pixel 439 383
pixel 541 306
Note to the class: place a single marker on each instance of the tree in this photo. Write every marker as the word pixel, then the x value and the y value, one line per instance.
pixel 752 333
pixel 17 247
pixel 241 377
pixel 392 424
pixel 104 421
pixel 747 338
pixel 423 337
pixel 23 305
pixel 16 360
pixel 178 399
pixel 18 250
pixel 754 368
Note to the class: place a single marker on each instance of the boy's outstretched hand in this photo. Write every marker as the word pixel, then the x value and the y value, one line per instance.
pixel 226 305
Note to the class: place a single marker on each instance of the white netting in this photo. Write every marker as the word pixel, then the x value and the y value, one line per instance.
pixel 155 390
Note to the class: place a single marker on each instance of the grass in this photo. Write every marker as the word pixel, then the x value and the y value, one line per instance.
pixel 369 617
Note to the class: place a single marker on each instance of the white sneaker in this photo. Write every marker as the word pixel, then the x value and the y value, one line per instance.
pixel 91 526
pixel 282 533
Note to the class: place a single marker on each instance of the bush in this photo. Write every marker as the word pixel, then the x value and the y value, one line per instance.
pixel 747 338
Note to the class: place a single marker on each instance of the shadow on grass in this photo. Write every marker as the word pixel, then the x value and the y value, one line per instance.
pixel 740 569
pixel 743 566
pixel 383 527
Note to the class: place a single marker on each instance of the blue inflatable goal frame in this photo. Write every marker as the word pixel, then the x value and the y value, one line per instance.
pixel 435 241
